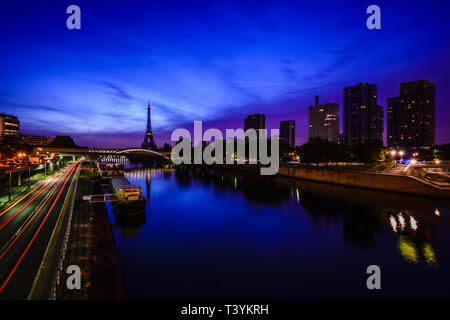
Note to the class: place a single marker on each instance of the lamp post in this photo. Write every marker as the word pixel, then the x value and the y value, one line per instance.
pixel 29 175
pixel 393 154
pixel 10 181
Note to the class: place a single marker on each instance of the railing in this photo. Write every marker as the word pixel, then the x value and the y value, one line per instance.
pixel 96 198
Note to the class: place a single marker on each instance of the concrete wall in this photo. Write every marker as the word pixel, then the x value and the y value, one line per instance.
pixel 385 182
pixel 376 181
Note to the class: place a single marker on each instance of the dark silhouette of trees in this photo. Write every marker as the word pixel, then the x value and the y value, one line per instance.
pixel 63 142
pixel 318 150
pixel 444 151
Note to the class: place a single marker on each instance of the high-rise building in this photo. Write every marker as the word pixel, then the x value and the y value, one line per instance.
pixel 287 132
pixel 417 114
pixel 255 121
pixel 363 117
pixel 9 127
pixel 324 121
pixel 393 121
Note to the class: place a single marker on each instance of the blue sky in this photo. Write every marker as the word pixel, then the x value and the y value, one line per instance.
pixel 214 61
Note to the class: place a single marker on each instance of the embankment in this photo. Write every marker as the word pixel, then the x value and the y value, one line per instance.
pixel 376 181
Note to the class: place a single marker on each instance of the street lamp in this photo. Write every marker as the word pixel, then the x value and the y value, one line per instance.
pixel 29 175
pixel 401 153
pixel 10 181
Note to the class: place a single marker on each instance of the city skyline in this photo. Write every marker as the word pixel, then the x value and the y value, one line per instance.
pixel 253 60
pixel 225 159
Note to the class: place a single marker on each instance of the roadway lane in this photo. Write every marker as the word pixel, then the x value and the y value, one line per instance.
pixel 13 217
pixel 25 230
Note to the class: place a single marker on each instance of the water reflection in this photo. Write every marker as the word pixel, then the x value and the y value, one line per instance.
pixel 213 234
pixel 129 225
pixel 362 213
pixel 415 237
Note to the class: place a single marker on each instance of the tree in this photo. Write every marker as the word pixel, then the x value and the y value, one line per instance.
pixel 370 151
pixel 287 153
pixel 444 152
pixel 63 142
pixel 167 147
pixel 316 150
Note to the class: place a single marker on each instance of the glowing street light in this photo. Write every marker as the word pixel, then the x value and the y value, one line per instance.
pixel 401 153
pixel 393 153
pixel 437 161
pixel 413 161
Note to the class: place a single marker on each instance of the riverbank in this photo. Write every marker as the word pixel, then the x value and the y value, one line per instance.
pixel 368 180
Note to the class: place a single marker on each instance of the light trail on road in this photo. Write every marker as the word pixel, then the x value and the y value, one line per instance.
pixel 30 192
pixel 18 255
pixel 49 184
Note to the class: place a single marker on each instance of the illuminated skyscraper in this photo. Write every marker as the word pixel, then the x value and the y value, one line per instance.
pixel 9 127
pixel 324 121
pixel 363 117
pixel 393 121
pixel 287 132
pixel 417 114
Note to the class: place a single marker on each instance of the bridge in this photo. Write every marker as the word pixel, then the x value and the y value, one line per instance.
pixel 93 154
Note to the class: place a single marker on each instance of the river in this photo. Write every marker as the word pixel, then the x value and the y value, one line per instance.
pixel 221 235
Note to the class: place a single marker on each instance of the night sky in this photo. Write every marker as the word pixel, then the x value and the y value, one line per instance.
pixel 215 61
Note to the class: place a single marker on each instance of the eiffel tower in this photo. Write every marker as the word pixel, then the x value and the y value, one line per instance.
pixel 149 142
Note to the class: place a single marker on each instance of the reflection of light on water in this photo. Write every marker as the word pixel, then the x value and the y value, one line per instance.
pixel 393 223
pixel 413 223
pixel 436 212
pixel 235 183
pixel 402 221
pixel 428 253
pixel 407 249
pixel 298 195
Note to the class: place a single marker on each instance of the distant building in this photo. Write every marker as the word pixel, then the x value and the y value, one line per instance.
pixel 9 128
pixel 363 117
pixel 287 132
pixel 324 121
pixel 35 141
pixel 255 121
pixel 417 114
pixel 393 121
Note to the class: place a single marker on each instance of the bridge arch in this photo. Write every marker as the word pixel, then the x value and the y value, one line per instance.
pixel 142 151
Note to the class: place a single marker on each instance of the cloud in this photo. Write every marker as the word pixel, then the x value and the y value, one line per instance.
pixel 118 91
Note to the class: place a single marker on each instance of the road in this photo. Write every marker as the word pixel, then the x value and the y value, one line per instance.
pixel 25 230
